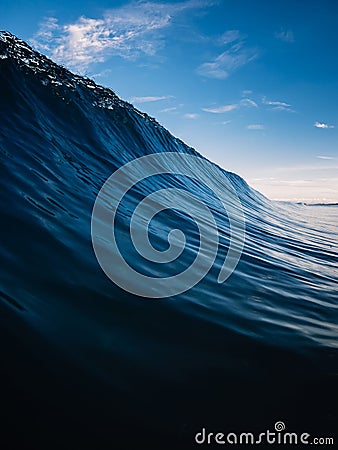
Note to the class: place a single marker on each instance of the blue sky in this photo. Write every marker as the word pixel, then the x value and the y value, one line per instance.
pixel 252 85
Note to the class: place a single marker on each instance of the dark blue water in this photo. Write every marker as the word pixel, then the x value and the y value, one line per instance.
pixel 85 364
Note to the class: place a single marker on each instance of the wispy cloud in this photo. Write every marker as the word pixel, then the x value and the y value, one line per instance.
pixel 276 105
pixel 307 168
pixel 191 116
pixel 235 56
pixel 322 125
pixel 326 157
pixel 246 102
pixel 228 37
pixel 283 108
pixel 149 98
pixel 257 126
pixel 166 110
pixel 103 73
pixel 285 35
pixel 249 102
pixel 47 31
pixel 129 31
pixel 221 109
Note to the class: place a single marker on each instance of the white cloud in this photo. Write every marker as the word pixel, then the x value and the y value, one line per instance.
pixel 191 116
pixel 228 108
pixel 283 108
pixel 166 110
pixel 305 168
pixel 322 125
pixel 228 37
pixel 149 99
pixel 103 73
pixel 277 105
pixel 325 157
pixel 249 102
pixel 46 33
pixel 237 55
pixel 257 126
pixel 128 31
pixel 285 35
pixel 221 109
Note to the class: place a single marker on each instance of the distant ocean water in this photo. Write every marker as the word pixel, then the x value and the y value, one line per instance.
pixel 85 364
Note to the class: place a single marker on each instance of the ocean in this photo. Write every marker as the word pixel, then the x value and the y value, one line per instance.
pixel 87 362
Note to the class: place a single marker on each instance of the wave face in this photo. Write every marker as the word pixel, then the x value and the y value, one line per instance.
pixel 85 361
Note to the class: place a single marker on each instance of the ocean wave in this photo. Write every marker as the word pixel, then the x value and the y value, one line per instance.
pixel 62 136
